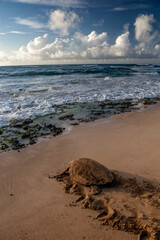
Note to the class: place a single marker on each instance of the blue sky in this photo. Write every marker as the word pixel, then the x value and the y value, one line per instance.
pixel 79 31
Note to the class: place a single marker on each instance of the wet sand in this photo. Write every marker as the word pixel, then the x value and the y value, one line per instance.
pixel 34 207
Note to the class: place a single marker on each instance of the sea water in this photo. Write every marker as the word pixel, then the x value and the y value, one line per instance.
pixel 30 91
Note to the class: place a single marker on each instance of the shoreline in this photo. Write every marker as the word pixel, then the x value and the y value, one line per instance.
pixel 21 133
pixel 33 207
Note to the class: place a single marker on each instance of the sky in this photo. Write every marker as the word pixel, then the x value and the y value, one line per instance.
pixel 79 31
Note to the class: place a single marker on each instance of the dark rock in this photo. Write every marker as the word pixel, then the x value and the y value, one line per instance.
pixel 25 135
pixel 57 131
pixel 86 120
pixel 69 116
pixel 74 124
pixel 27 121
pixel 16 144
pixel 149 101
pixel 4 146
pixel 97 113
pixel 102 105
pixel 22 145
pixel 36 126
pixel 14 141
pixel 51 127
pixel 25 127
pixel 20 123
pixel 80 119
pixel 32 141
pixel 16 132
pixel 16 123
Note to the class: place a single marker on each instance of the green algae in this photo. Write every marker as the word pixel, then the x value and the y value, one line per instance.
pixel 21 133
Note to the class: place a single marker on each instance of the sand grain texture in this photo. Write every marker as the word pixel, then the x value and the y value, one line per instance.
pixel 123 202
pixel 33 207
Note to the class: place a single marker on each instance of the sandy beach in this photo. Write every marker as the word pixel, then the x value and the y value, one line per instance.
pixel 34 207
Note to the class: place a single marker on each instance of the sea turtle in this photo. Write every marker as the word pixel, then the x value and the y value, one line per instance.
pixel 85 172
pixel 88 172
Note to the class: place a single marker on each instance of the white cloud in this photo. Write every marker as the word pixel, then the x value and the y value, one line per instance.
pixel 30 23
pixel 32 51
pixel 16 32
pixel 119 9
pixel 3 56
pixel 79 47
pixel 58 3
pixel 157 47
pixel 40 50
pixel 59 21
pixel 121 47
pixel 37 43
pixel 91 48
pixel 91 38
pixel 13 32
pixel 146 36
pixel 143 28
pixel 131 6
pixel 62 21
pixel 92 45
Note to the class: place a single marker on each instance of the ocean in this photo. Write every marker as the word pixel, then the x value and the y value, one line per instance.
pixel 31 91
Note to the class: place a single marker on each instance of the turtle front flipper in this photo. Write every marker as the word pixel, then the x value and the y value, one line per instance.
pixel 60 177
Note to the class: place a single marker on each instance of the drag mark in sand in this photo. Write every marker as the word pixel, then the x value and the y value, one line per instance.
pixel 123 201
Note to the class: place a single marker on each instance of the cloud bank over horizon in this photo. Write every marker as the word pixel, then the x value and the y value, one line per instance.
pixel 89 48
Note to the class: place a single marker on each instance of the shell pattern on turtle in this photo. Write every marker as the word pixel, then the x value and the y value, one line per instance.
pixel 88 172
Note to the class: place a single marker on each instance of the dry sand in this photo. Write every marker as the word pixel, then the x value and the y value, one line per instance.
pixel 34 207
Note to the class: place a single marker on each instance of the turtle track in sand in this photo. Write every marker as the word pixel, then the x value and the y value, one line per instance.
pixel 126 203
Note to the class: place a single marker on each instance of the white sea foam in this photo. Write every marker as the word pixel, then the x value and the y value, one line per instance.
pixel 28 96
pixel 107 78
